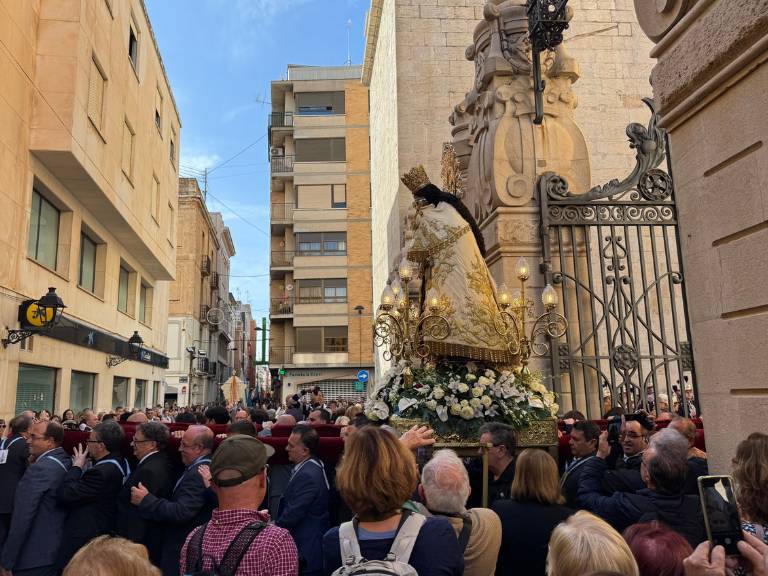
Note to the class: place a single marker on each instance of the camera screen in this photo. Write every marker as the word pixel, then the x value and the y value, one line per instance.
pixel 722 514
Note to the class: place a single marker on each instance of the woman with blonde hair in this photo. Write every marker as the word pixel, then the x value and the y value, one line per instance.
pixel 528 519
pixel 750 470
pixel 376 477
pixel 107 556
pixel 585 544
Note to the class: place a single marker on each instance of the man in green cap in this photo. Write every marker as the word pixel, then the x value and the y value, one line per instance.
pixel 237 529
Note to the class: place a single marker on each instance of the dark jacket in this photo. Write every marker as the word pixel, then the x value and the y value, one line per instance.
pixel 303 511
pixel 189 506
pixel 155 474
pixel 90 499
pixel 625 475
pixel 38 521
pixel 11 472
pixel 569 482
pixel 525 531
pixel 498 489
pixel 681 512
pixel 696 467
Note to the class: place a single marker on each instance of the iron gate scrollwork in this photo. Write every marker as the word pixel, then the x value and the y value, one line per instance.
pixel 613 254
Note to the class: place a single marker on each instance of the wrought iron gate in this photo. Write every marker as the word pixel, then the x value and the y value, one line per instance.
pixel 614 256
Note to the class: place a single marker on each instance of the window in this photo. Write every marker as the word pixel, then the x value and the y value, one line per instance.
pixel 81 390
pixel 35 389
pixel 321 339
pixel 172 148
pixel 321 150
pixel 122 290
pixel 171 223
pixel 119 392
pixel 320 103
pixel 87 274
pixel 43 241
pixel 140 398
pixel 96 86
pixel 339 196
pixel 145 303
pixel 128 148
pixel 154 208
pixel 321 243
pixel 157 395
pixel 317 291
pixel 133 45
pixel 159 111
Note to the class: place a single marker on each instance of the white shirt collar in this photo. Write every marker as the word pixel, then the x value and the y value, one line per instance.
pixel 147 456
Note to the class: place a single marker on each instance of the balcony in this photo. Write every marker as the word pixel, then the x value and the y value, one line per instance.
pixel 282 258
pixel 281 355
pixel 282 307
pixel 204 309
pixel 215 280
pixel 282 212
pixel 281 120
pixel 281 165
pixel 202 366
pixel 205 266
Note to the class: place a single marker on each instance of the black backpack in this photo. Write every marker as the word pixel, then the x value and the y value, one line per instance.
pixel 234 554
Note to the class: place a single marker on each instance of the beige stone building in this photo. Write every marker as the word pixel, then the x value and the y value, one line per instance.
pixel 89 138
pixel 320 272
pixel 710 81
pixel 417 69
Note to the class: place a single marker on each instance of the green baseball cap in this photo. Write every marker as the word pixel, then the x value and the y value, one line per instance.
pixel 244 454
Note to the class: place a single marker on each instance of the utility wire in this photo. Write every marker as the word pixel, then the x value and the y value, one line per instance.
pixel 228 160
pixel 238 215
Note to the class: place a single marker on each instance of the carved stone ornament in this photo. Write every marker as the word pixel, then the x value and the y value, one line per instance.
pixel 657 17
pixel 499 149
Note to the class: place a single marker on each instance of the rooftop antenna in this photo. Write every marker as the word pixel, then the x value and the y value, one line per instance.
pixel 349 52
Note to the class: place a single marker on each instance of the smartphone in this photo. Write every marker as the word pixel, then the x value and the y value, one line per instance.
pixel 721 514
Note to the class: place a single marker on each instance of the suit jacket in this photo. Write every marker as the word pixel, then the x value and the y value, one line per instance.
pixel 90 499
pixel 303 511
pixel 155 474
pixel 569 482
pixel 38 520
pixel 525 531
pixel 12 471
pixel 625 476
pixel 189 506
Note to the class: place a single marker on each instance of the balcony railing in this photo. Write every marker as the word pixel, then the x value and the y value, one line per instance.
pixel 282 211
pixel 281 120
pixel 203 365
pixel 282 257
pixel 281 164
pixel 280 306
pixel 281 355
pixel 313 299
pixel 215 279
pixel 204 308
pixel 205 265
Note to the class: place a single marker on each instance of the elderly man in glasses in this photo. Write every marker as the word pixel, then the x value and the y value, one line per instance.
pixel 153 472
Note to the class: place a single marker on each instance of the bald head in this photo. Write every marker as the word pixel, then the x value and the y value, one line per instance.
pixel 197 441
pixel 286 420
pixel 138 418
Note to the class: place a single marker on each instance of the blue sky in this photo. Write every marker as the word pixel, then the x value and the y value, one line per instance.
pixel 220 56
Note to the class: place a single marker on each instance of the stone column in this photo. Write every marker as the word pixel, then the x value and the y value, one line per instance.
pixel 710 84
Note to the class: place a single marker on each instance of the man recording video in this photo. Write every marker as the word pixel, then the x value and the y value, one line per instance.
pixel 628 438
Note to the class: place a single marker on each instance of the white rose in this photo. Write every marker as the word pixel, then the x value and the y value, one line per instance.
pixel 456 409
pixel 484 382
pixel 486 401
pixel 467 412
pixel 490 373
pixel 431 404
pixel 438 393
pixel 464 403
pixel 475 402
pixel 470 378
pixel 539 387
pixel 463 388
pixel 477 392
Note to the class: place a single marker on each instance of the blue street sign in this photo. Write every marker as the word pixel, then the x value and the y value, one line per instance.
pixel 362 376
pixel 359 386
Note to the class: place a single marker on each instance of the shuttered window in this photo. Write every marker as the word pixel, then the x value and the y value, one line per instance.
pixel 96 85
pixel 35 389
pixel 319 103
pixel 321 339
pixel 309 340
pixel 339 389
pixel 321 150
pixel 339 199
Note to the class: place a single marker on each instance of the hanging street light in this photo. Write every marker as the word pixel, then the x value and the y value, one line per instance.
pixel 135 347
pixel 36 317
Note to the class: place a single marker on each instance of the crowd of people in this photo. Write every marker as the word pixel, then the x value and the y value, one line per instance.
pixel 625 502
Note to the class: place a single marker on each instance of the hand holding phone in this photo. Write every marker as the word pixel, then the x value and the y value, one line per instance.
pixel 721 513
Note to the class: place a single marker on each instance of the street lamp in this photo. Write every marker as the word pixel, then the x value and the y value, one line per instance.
pixel 36 317
pixel 135 346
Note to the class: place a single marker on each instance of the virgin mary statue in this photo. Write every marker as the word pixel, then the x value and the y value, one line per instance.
pixel 446 241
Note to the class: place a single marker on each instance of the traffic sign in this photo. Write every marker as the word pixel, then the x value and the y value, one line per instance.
pixel 359 386
pixel 362 376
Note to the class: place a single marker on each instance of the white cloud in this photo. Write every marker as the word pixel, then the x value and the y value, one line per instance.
pixel 199 161
pixel 258 10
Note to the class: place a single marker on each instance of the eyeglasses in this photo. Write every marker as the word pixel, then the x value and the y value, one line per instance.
pixel 630 435
pixel 2 425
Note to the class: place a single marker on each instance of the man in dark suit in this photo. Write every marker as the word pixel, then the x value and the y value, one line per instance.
pixel 14 455
pixel 303 509
pixel 191 503
pixel 153 472
pixel 37 523
pixel 584 438
pixel 90 495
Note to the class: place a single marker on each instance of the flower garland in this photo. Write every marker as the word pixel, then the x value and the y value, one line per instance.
pixel 459 398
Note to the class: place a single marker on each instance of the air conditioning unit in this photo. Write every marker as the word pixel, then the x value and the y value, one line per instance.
pixel 276 151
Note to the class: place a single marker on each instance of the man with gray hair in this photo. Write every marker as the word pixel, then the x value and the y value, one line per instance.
pixel 444 489
pixel 664 469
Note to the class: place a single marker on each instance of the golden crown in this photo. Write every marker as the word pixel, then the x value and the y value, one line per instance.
pixel 416 178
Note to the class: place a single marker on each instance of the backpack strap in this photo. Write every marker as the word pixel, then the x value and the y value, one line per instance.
pixel 350 547
pixel 406 537
pixel 238 548
pixel 194 558
pixel 466 531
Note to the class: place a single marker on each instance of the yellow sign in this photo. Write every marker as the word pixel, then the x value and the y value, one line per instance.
pixel 38 316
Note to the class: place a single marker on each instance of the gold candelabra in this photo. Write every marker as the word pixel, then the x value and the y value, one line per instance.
pixel 404 326
pixel 515 312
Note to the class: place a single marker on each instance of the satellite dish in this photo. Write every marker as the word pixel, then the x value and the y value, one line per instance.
pixel 289 287
pixel 215 316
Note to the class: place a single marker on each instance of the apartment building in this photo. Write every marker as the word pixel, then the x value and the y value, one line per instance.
pixel 320 271
pixel 89 136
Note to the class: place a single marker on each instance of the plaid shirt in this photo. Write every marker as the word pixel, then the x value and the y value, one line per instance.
pixel 273 553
